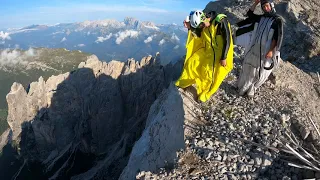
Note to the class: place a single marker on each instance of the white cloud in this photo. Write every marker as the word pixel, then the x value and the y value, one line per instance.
pixel 149 39
pixel 162 42
pixel 174 37
pixel 152 27
pixel 68 32
pixel 4 35
pixel 30 52
pixel 101 39
pixel 88 33
pixel 126 34
pixel 59 32
pixel 11 58
pixel 81 45
pixel 63 39
pixel 176 47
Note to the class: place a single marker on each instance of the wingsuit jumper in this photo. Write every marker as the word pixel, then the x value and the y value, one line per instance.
pixel 262 36
pixel 209 56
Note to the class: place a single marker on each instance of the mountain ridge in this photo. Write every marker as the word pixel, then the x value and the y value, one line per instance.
pixel 121 118
pixel 108 39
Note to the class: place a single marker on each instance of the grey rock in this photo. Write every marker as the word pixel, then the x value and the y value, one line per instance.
pixel 232 177
pixel 243 177
pixel 304 132
pixel 257 161
pixel 209 155
pixel 249 177
pixel 223 170
pixel 85 110
pixel 218 157
pixel 201 143
pixel 251 162
pixel 5 138
pixel 222 148
pixel 266 162
pixel 225 156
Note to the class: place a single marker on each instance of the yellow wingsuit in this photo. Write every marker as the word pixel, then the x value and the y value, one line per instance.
pixel 202 64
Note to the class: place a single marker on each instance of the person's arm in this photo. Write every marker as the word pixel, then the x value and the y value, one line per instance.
pixel 186 22
pixel 253 7
pixel 273 45
pixel 274 40
pixel 250 12
pixel 226 34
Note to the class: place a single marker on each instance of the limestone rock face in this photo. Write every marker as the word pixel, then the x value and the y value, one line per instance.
pixel 90 109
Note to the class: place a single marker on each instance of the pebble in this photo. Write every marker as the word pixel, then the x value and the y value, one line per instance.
pixel 251 162
pixel 266 162
pixel 209 155
pixel 257 161
pixel 224 158
pixel 201 143
pixel 223 170
pixel 218 158
pixel 249 177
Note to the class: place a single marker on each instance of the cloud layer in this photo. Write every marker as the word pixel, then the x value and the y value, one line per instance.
pixel 174 37
pixel 126 34
pixel 4 35
pixel 149 39
pixel 101 39
pixel 162 42
pixel 63 39
pixel 12 58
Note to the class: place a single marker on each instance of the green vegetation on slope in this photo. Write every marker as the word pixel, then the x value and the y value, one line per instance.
pixel 3 120
pixel 42 62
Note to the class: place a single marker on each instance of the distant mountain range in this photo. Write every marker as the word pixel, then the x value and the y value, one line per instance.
pixel 108 39
pixel 44 50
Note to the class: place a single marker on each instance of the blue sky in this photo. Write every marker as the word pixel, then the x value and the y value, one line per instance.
pixel 19 13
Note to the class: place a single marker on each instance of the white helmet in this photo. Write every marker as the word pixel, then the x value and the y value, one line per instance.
pixel 196 18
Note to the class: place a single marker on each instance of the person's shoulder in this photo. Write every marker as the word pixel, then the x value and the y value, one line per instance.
pixel 252 16
pixel 221 18
pixel 224 20
pixel 279 18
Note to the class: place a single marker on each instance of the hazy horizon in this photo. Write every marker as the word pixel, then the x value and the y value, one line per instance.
pixel 18 13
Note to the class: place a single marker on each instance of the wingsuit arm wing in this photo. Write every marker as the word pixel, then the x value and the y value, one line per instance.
pixel 226 37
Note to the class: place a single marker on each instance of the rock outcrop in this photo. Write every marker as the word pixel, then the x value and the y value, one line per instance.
pixel 97 108
pixel 127 120
pixel 5 138
pixel 240 137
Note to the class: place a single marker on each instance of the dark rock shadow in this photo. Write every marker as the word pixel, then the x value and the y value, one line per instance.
pixel 92 123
